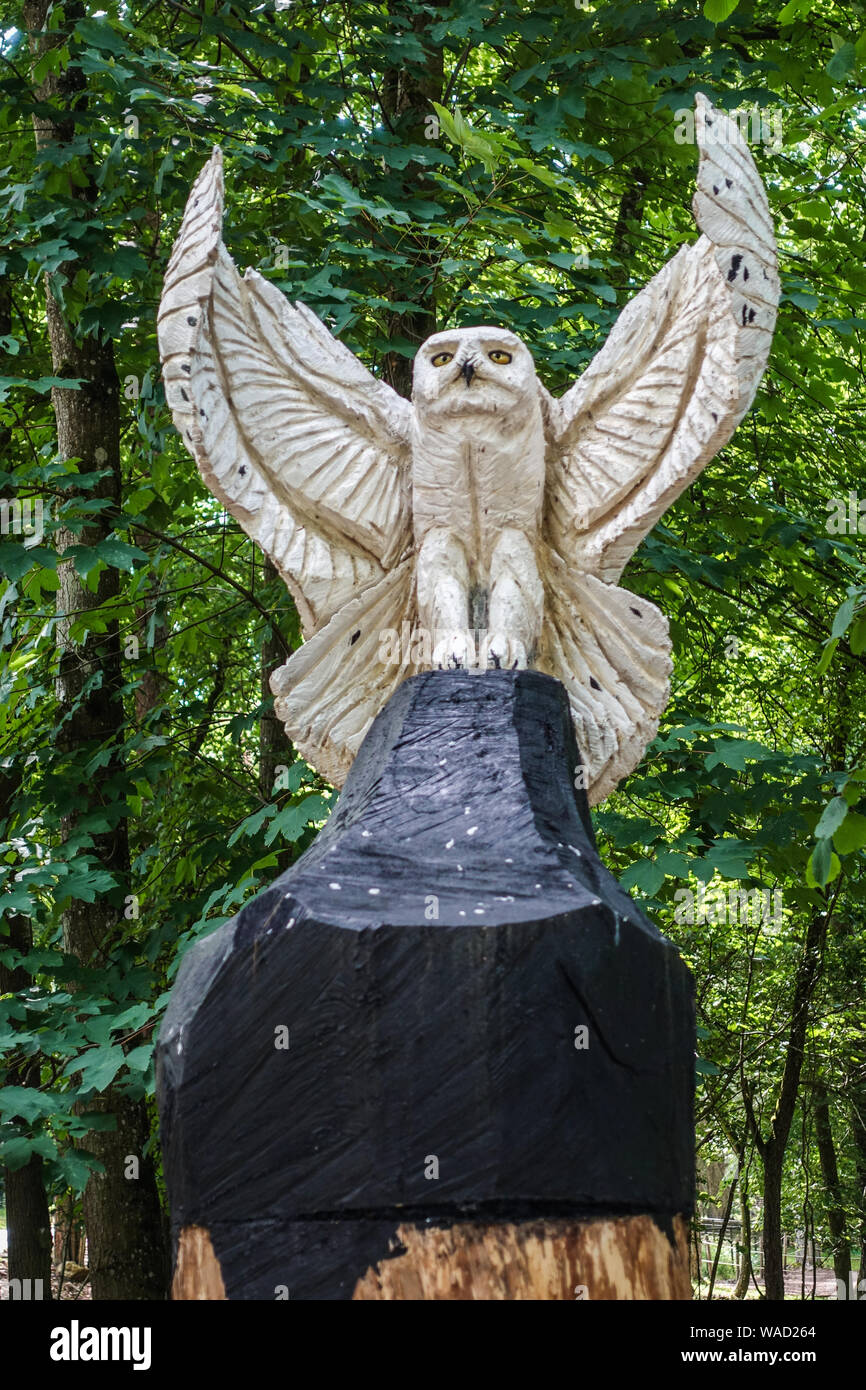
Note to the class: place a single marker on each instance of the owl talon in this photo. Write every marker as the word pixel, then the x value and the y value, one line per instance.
pixel 505 653
pixel 453 653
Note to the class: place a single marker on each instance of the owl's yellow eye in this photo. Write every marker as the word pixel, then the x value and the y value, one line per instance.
pixel 441 358
pixel 499 357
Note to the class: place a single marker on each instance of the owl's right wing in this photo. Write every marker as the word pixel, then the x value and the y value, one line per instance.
pixel 676 375
pixel 291 433
pixel 678 372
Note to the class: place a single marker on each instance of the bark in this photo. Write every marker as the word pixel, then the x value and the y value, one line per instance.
pixel 774 1276
pixel 630 212
pixel 744 1277
pixel 729 1205
pixel 122 1214
pixel 69 1239
pixel 28 1225
pixel 833 1199
pixel 27 1219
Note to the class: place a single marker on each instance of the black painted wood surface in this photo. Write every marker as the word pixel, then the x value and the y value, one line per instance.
pixel 432 956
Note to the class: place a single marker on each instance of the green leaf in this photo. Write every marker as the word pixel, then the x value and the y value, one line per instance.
pixel 251 825
pixel 98 1068
pixel 823 866
pixel 75 1168
pixel 41 385
pixel 646 874
pixel 289 824
pixel 857 640
pixel 719 10
pixel 831 818
pixel 538 171
pixel 729 857
pixel 795 9
pixel 84 557
pixel 16 1153
pixel 26 1103
pixel 851 834
pixel 827 656
pixel 734 752
pixel 100 34
pixel 89 1120
pixel 842 63
pixel 118 554
pixel 139 1058
pixel 844 614
pixel 18 560
pixel 705 1068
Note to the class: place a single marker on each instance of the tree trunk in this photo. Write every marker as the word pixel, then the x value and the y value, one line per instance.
pixel 729 1205
pixel 772 1149
pixel 630 211
pixel 774 1273
pixel 122 1213
pixel 27 1217
pixel 28 1225
pixel 834 1202
pixel 745 1275
pixel 69 1238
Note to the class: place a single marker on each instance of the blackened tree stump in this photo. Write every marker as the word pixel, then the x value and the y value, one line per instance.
pixel 444 1055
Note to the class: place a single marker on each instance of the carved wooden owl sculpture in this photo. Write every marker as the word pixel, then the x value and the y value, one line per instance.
pixel 404 529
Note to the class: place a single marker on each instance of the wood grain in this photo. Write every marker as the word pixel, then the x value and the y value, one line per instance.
pixel 627 1258
pixel 197 1273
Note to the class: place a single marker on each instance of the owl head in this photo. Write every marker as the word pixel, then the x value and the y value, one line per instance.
pixel 468 371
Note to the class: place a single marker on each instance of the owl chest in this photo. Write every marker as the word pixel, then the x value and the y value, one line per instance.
pixel 476 487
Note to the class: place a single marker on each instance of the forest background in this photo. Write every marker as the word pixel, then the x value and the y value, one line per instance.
pixel 400 168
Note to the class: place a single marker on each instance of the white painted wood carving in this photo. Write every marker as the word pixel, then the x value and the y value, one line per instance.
pixel 483 523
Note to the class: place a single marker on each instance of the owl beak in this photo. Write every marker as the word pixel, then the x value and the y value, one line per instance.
pixel 468 372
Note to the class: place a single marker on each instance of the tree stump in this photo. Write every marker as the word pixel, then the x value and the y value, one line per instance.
pixel 444 1055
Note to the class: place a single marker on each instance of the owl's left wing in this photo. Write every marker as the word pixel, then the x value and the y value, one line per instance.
pixel 295 437
pixel 677 373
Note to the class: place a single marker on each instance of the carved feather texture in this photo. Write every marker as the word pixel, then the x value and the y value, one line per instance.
pixel 292 434
pixel 323 466
pixel 678 371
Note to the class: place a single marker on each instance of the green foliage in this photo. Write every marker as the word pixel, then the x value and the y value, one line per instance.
pixel 540 186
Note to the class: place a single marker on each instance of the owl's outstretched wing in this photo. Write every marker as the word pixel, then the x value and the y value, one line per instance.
pixel 677 373
pixel 294 436
pixel 675 377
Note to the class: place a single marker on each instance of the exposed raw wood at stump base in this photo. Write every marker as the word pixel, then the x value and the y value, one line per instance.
pixel 549 1261
pixel 626 1258
pixel 197 1274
